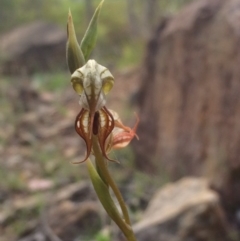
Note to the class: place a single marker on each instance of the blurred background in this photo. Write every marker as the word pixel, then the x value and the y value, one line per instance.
pixel 176 64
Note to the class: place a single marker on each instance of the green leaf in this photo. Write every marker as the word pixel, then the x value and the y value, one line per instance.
pixel 90 36
pixel 106 200
pixel 75 58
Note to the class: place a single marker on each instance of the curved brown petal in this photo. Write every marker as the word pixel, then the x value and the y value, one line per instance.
pixel 106 125
pixel 83 129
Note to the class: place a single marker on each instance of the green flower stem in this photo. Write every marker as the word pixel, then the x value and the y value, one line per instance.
pixel 105 198
pixel 101 165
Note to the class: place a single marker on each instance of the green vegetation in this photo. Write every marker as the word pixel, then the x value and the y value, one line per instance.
pixel 120 39
pixel 50 81
pixel 101 236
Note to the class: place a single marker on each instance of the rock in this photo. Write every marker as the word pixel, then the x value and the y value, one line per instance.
pixel 21 54
pixel 183 211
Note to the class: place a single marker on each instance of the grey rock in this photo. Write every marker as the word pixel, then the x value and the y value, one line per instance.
pixel 183 211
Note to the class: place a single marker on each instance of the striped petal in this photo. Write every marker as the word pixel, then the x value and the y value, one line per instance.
pixel 83 128
pixel 106 125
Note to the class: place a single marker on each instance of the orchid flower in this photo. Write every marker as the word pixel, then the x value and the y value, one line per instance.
pixel 100 128
pixel 93 82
